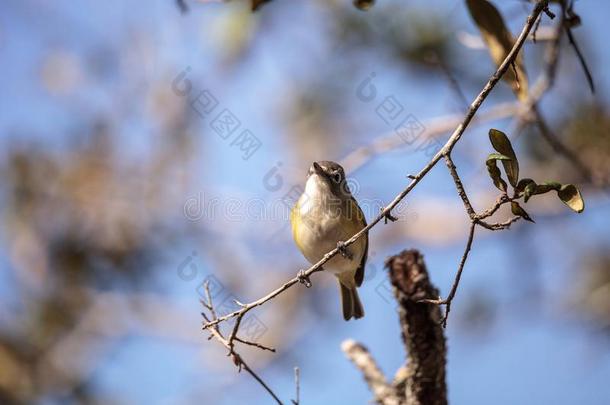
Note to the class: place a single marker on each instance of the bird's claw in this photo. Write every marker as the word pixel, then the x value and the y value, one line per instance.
pixel 388 217
pixel 343 250
pixel 304 278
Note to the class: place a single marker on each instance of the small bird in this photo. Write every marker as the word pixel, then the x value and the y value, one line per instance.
pixel 325 216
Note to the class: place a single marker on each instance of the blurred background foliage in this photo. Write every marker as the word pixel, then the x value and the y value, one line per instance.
pixel 100 158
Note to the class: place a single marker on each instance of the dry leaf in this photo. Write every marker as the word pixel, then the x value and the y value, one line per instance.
pixel 499 41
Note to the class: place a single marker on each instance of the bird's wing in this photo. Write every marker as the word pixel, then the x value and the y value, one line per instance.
pixel 359 277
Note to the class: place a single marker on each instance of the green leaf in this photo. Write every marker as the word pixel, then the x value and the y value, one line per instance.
pixel 529 191
pixel 523 183
pixel 517 210
pixel 502 144
pixel 524 186
pixel 497 156
pixel 569 194
pixel 495 174
pixel 548 186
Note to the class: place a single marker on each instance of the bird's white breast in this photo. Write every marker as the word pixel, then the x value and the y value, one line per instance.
pixel 321 227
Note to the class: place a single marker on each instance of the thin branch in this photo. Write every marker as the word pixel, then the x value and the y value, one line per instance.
pixel 536 27
pixel 247 307
pixel 297 385
pixel 459 186
pixel 240 363
pixel 581 58
pixel 456 282
pixel 499 226
pixel 502 199
pixel 237 359
pixel 258 345
pixel 208 303
pixel 234 331
pixel 359 355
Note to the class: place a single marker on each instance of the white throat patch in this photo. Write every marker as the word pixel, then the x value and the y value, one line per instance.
pixel 316 190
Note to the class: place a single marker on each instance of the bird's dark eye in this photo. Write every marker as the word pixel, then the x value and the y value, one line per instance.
pixel 337 177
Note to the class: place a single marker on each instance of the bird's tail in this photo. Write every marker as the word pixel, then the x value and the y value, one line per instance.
pixel 350 302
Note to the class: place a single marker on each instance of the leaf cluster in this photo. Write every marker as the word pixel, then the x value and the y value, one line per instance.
pixel 524 188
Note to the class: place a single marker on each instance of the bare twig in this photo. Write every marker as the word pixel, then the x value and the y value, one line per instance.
pixel 456 282
pixel 581 58
pixel 208 303
pixel 237 359
pixel 240 363
pixel 459 186
pixel 255 344
pixel 297 385
pixel 502 199
pixel 247 307
pixel 359 355
pixel 499 226
pixel 536 27
pixel 234 331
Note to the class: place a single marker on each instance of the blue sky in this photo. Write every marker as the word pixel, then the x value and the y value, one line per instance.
pixel 523 356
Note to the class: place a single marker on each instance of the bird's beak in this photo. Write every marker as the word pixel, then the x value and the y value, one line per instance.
pixel 317 169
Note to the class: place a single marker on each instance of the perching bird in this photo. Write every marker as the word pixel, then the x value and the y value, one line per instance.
pixel 325 215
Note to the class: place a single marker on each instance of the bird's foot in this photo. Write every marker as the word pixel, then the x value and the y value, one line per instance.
pixel 388 217
pixel 343 250
pixel 304 278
